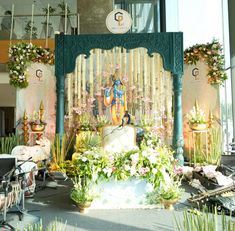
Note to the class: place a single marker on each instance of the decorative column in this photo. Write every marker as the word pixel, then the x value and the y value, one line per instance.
pixel 41 111
pixel 210 122
pixel 178 141
pixel 60 82
pixel 25 128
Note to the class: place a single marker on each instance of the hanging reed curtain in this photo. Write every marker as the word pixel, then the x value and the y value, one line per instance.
pixel 149 87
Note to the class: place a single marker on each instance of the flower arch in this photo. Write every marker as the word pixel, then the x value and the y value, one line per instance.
pixel 20 55
pixel 211 54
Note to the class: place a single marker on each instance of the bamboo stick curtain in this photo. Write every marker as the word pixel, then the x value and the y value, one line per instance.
pixel 148 86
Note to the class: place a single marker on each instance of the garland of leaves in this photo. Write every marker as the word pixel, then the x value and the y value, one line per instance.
pixel 20 55
pixel 211 54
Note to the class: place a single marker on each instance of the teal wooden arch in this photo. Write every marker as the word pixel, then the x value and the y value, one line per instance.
pixel 169 45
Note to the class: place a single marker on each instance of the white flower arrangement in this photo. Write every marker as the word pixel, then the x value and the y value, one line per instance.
pixel 20 55
pixel 196 116
pixel 149 164
pixel 211 54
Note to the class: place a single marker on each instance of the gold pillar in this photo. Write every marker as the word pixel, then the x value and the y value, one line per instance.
pixel 25 128
pixel 210 121
pixel 41 111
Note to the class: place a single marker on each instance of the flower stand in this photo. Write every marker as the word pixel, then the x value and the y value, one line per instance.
pixel 193 136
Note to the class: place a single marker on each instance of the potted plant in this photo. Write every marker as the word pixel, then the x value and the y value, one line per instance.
pixel 86 141
pixel 101 121
pixel 171 193
pixel 196 118
pixel 47 12
pixel 28 30
pixel 82 193
pixel 85 123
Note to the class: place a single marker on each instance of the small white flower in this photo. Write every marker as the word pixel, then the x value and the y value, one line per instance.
pixel 133 170
pixel 107 171
pixel 84 159
pixel 145 153
pixel 96 156
pixel 152 159
pixel 154 170
pixel 135 157
pixel 127 167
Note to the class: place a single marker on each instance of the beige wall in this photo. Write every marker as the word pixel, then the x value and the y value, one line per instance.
pixel 198 89
pixel 42 89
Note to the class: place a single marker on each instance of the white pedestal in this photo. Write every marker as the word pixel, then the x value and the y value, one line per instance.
pixel 122 194
pixel 118 138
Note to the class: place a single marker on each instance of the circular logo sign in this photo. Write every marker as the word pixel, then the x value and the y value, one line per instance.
pixel 118 21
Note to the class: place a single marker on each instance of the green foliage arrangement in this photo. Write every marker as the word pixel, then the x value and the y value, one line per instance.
pixel 62 7
pixel 147 163
pixel 20 55
pixel 59 150
pixel 82 193
pixel 102 120
pixel 215 148
pixel 56 225
pixel 28 29
pixel 71 169
pixel 172 190
pixel 87 140
pixel 9 142
pixel 195 220
pixel 211 54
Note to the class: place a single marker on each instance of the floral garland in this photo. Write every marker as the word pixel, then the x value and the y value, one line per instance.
pixel 211 54
pixel 20 55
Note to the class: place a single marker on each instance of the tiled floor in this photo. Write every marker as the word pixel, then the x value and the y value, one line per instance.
pixel 54 204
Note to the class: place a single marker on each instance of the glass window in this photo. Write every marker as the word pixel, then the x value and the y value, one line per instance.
pixel 146 14
pixel 17 22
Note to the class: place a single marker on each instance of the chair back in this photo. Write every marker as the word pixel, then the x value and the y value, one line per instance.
pixel 7 164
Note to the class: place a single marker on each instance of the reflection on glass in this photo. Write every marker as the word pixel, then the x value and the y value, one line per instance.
pixel 145 14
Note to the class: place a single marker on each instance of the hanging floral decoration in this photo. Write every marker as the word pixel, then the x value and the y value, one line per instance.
pixel 20 55
pixel 211 54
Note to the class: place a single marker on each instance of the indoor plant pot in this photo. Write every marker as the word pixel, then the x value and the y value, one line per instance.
pixel 82 193
pixel 82 207
pixel 169 204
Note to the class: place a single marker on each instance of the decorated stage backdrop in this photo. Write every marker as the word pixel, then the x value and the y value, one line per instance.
pixel 146 85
